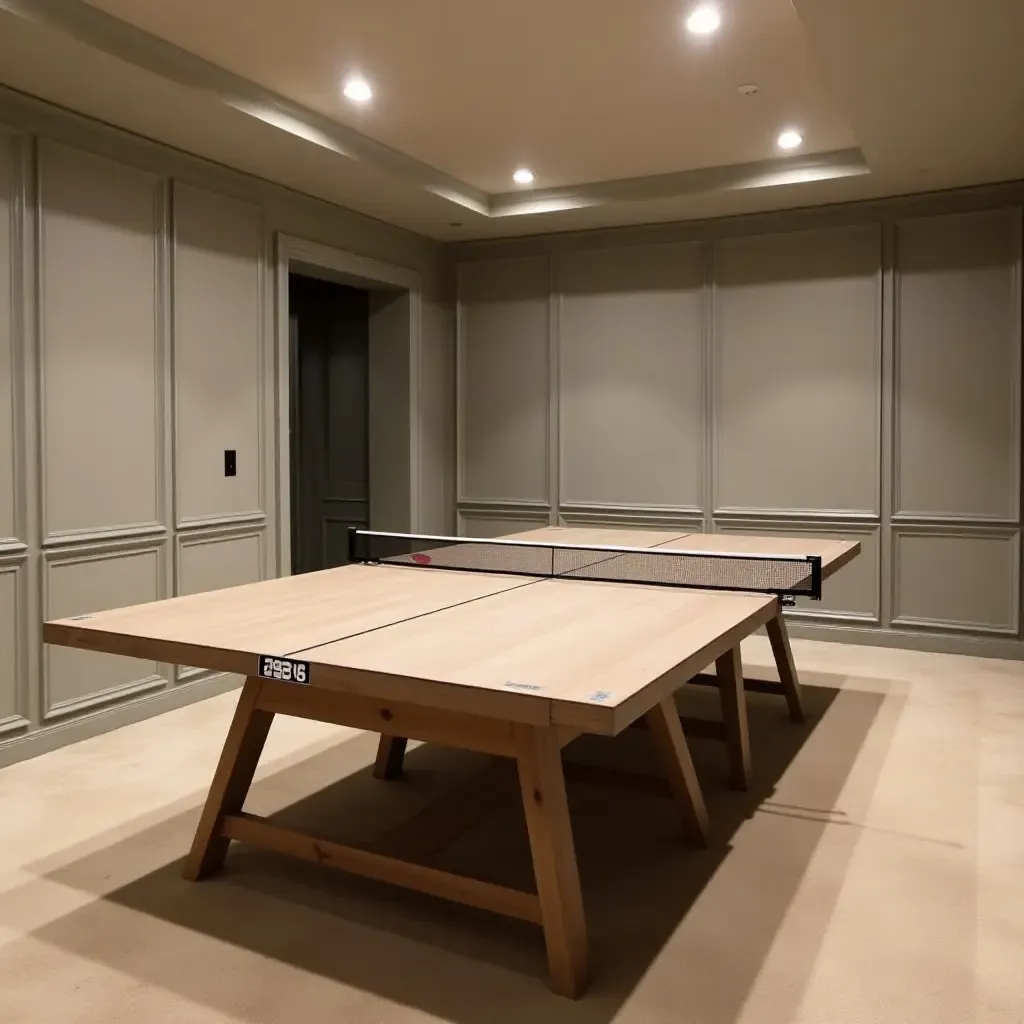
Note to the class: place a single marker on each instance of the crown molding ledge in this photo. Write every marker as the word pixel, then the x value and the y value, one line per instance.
pixel 117 38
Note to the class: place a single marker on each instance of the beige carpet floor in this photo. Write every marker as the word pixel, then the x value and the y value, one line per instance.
pixel 875 873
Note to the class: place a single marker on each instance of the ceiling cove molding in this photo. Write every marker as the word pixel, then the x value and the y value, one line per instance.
pixel 102 31
pixel 117 38
pixel 843 163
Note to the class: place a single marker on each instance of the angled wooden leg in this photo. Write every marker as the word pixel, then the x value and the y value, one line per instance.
pixel 554 858
pixel 231 781
pixel 729 670
pixel 390 756
pixel 674 754
pixel 779 638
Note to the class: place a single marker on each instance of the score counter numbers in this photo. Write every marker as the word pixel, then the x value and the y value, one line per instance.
pixel 284 670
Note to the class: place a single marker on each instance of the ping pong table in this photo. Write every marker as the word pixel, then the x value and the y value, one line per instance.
pixel 511 647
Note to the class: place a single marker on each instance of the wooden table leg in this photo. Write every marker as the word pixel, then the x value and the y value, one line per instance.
pixel 554 858
pixel 231 781
pixel 674 755
pixel 390 757
pixel 779 638
pixel 729 669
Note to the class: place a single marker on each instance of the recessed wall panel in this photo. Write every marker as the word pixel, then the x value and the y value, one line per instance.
pixel 79 582
pixel 499 524
pixel 100 342
pixel 217 373
pixel 11 633
pixel 797 372
pixel 504 384
pixel 852 592
pixel 958 366
pixel 7 299
pixel 965 579
pixel 631 376
pixel 214 562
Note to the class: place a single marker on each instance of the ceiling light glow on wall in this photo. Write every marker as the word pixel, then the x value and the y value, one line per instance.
pixel 703 20
pixel 523 176
pixel 357 89
pixel 789 139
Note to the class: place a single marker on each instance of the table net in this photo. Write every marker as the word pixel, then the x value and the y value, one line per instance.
pixel 783 575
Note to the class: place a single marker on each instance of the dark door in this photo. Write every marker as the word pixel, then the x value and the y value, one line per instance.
pixel 330 338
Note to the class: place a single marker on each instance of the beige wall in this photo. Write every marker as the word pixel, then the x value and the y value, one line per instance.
pixel 850 373
pixel 137 342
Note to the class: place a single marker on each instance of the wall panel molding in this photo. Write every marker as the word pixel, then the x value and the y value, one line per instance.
pixel 933 519
pixel 952 579
pixel 10 303
pixel 554 425
pixel 73 729
pixel 710 448
pixel 871 268
pixel 101 698
pixel 773 294
pixel 863 573
pixel 15 714
pixel 966 254
pixel 499 287
pixel 888 421
pixel 798 515
pixel 53 159
pixel 219 279
pixel 217 522
pixel 184 541
pixel 689 519
pixel 137 681
pixel 228 576
pixel 111 534
pixel 631 366
pixel 501 505
pixel 495 519
pixel 16 152
pixel 166 468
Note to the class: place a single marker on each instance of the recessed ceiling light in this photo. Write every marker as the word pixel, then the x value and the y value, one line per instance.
pixel 748 89
pixel 789 139
pixel 523 176
pixel 703 20
pixel 357 89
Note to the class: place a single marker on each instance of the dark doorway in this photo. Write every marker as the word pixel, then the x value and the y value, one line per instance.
pixel 329 379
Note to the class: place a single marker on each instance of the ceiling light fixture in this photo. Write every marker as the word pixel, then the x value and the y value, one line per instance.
pixel 523 176
pixel 357 89
pixel 789 139
pixel 703 20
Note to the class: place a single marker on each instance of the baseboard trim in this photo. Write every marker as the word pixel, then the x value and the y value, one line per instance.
pixel 53 737
pixel 909 640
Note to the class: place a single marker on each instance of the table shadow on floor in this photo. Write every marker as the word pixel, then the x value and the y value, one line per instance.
pixel 640 882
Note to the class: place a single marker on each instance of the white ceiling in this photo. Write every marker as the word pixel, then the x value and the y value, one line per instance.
pixel 623 116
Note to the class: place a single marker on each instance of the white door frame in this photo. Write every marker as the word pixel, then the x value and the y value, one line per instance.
pixel 298 254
